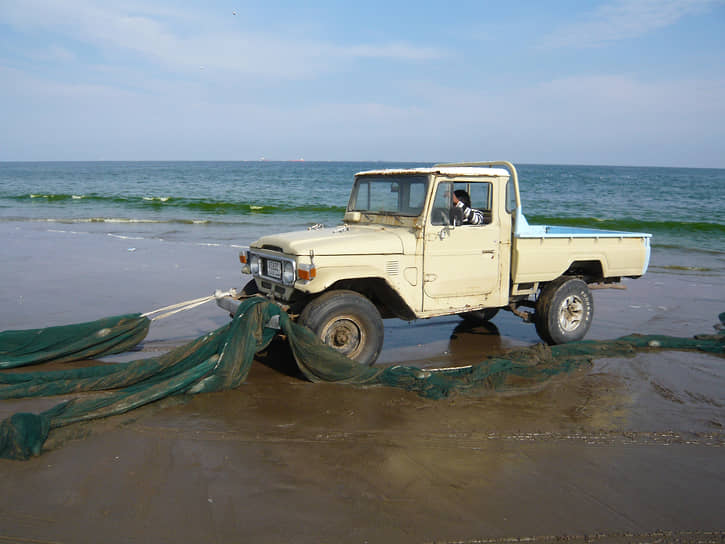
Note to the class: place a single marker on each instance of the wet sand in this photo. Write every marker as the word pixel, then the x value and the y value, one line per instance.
pixel 628 450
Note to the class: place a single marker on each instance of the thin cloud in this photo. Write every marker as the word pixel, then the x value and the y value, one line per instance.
pixel 29 86
pixel 168 40
pixel 625 19
pixel 393 51
pixel 54 53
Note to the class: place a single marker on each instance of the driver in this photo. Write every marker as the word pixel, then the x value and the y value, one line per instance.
pixel 461 211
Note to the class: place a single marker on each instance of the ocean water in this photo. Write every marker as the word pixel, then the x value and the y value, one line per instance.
pixel 233 203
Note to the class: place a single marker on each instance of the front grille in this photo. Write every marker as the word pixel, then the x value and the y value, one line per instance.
pixel 272 268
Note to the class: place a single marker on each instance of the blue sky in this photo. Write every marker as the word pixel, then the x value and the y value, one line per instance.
pixel 620 82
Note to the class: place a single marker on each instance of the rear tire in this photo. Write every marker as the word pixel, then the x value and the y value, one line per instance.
pixel 479 317
pixel 564 311
pixel 347 322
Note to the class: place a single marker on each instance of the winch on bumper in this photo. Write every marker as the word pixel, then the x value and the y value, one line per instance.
pixel 230 301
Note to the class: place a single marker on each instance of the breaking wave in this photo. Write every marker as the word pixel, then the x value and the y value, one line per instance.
pixel 170 203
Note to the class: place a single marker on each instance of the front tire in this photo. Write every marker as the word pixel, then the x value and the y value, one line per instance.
pixel 347 322
pixel 564 311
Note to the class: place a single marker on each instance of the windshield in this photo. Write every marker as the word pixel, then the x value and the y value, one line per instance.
pixel 389 195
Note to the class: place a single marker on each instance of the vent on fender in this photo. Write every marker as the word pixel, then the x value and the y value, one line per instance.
pixel 392 268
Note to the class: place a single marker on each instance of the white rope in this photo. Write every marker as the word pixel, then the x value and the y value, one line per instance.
pixel 174 306
pixel 186 305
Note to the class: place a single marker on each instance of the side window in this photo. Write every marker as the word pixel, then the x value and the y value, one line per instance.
pixel 481 196
pixel 442 204
pixel 510 196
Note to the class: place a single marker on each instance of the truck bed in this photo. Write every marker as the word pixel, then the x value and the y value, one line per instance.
pixel 545 252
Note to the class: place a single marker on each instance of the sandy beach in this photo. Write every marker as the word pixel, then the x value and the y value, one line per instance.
pixel 628 450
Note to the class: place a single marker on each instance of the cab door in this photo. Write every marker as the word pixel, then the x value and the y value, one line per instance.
pixel 461 262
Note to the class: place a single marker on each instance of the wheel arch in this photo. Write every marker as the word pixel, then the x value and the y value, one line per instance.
pixel 588 270
pixel 386 299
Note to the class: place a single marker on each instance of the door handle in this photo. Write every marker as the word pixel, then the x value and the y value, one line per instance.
pixel 488 251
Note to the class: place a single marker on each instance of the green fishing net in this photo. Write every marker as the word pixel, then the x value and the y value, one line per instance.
pixel 72 342
pixel 221 360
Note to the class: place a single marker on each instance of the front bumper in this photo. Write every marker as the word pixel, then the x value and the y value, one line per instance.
pixel 231 303
pixel 228 303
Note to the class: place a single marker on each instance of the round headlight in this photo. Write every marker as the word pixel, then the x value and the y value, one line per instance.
pixel 254 264
pixel 288 273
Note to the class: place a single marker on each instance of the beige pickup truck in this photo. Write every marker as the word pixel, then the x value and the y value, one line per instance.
pixel 399 253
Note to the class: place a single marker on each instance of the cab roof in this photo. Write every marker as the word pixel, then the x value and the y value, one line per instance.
pixel 445 171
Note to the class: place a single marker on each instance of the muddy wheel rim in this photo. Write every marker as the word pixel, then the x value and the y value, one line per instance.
pixel 571 313
pixel 345 335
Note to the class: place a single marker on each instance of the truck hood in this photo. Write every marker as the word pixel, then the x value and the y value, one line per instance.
pixel 353 240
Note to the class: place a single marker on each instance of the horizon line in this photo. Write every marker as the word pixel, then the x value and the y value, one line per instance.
pixel 304 161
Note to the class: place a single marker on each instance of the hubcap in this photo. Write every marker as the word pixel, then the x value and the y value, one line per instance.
pixel 571 313
pixel 345 335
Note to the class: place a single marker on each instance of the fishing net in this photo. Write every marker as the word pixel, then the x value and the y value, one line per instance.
pixel 221 360
pixel 72 342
